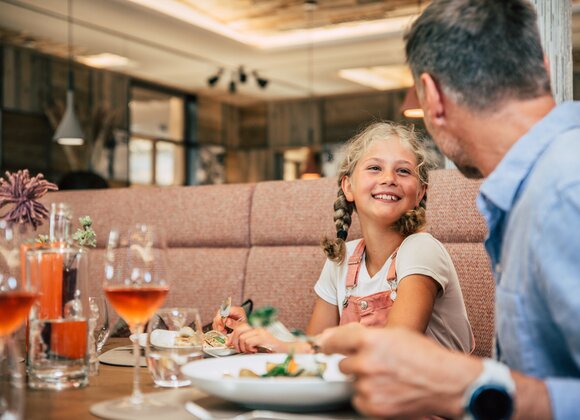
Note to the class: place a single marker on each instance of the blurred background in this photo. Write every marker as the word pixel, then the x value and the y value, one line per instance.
pixel 186 92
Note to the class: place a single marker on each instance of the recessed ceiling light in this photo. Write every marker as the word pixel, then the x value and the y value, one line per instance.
pixel 380 77
pixel 105 60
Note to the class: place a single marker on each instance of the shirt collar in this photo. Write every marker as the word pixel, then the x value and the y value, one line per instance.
pixel 503 184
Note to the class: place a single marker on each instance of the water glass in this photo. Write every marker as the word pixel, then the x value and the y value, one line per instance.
pixel 98 330
pixel 174 338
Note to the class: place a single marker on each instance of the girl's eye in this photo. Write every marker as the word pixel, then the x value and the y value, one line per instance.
pixel 405 171
pixel 374 168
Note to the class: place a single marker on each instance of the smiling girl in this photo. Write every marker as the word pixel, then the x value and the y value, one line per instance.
pixel 396 275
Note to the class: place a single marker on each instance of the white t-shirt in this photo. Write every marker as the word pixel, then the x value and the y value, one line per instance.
pixel 419 253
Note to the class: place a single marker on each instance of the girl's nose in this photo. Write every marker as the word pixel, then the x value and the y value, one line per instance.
pixel 388 178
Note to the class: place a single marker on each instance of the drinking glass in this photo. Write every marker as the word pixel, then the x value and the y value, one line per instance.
pixel 136 286
pixel 174 338
pixel 98 330
pixel 16 298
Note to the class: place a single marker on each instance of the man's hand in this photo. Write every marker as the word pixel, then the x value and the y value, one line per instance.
pixel 400 373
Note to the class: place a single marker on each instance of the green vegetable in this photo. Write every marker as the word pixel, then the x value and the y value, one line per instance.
pixel 262 317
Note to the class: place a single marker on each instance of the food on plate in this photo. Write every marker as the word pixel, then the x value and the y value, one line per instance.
pixel 289 368
pixel 215 338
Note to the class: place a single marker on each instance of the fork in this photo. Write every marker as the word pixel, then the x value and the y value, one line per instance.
pixel 281 332
pixel 203 414
pixel 225 307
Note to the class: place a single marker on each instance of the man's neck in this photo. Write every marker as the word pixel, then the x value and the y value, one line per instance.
pixel 489 136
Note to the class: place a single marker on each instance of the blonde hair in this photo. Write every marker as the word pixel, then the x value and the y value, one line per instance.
pixel 413 220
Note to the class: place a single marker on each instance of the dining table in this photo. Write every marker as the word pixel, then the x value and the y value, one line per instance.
pixel 113 382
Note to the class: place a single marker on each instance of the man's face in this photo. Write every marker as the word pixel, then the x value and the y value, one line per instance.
pixel 450 145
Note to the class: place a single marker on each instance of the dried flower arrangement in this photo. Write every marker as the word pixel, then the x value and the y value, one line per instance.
pixel 23 192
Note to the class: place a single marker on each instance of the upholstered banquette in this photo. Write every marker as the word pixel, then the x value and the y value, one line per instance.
pixel 261 241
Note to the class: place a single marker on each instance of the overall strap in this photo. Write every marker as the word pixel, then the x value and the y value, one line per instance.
pixel 392 273
pixel 354 264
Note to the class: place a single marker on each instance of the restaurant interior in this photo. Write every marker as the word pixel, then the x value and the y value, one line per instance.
pixel 200 92
pixel 229 95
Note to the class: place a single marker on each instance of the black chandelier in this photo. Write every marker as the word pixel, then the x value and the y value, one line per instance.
pixel 240 75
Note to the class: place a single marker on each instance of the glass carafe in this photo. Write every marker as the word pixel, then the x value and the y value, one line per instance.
pixel 57 356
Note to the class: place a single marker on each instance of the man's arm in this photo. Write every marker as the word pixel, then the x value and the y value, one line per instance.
pixel 400 373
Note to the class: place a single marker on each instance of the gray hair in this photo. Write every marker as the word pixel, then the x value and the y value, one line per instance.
pixel 480 51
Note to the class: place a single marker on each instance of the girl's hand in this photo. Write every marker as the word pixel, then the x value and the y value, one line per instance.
pixel 247 340
pixel 236 317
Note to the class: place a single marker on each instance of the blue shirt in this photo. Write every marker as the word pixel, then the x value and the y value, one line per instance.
pixel 531 203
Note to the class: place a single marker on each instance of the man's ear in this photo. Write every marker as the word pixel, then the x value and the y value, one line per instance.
pixel 347 188
pixel 547 65
pixel 433 103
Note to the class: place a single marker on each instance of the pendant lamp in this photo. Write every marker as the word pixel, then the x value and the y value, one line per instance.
pixel 69 131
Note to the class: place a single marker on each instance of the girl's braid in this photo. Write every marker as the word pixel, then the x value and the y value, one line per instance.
pixel 335 248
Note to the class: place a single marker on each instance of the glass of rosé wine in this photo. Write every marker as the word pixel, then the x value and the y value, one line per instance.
pixel 17 296
pixel 136 285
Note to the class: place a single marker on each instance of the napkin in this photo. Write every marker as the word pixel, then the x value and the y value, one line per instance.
pixel 121 356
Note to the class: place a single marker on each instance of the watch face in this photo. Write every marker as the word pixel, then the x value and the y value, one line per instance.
pixel 491 402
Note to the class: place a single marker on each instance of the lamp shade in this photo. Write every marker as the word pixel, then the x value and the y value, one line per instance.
pixel 411 107
pixel 69 131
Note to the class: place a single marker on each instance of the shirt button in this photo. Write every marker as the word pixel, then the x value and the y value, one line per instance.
pixel 498 268
pixel 363 305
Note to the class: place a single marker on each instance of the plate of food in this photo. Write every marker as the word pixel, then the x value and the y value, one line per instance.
pixel 214 341
pixel 215 344
pixel 307 382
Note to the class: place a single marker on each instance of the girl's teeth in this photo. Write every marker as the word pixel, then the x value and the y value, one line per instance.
pixel 387 197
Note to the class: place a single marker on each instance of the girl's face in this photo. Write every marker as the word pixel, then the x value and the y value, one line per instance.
pixel 384 184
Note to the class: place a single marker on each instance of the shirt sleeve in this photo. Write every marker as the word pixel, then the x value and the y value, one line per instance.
pixel 556 255
pixel 422 254
pixel 326 285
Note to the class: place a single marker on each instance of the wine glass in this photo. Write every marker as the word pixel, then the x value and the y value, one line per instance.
pixel 16 298
pixel 98 330
pixel 136 286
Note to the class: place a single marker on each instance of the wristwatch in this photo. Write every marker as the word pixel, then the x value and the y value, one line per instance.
pixel 491 395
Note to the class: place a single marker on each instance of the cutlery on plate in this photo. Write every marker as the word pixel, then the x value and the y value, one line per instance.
pixel 225 312
pixel 281 332
pixel 225 307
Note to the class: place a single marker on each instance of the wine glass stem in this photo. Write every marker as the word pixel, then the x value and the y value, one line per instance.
pixel 137 395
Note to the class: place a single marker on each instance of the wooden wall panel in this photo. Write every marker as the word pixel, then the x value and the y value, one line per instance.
pixel 344 116
pixel 289 122
pixel 26 141
pixel 249 165
pixel 253 131
pixel 209 120
pixel 230 126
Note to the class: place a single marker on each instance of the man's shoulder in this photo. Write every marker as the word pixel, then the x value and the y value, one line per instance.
pixel 559 166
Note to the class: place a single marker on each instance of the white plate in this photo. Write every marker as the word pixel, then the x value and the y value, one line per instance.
pixel 295 394
pixel 212 351
pixel 219 351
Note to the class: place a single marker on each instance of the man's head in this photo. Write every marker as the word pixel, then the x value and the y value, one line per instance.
pixel 478 54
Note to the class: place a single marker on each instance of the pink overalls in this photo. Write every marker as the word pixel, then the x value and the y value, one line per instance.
pixel 371 310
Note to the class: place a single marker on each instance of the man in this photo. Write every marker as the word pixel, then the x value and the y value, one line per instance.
pixel 483 84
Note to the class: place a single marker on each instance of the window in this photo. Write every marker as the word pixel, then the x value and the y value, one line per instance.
pixel 156 146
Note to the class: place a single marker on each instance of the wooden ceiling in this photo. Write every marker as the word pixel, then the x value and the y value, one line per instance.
pixel 276 16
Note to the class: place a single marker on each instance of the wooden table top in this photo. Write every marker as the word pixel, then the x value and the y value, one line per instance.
pixel 115 382
pixel 111 382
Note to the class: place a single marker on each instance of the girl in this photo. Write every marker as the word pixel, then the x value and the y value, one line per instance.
pixel 396 275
